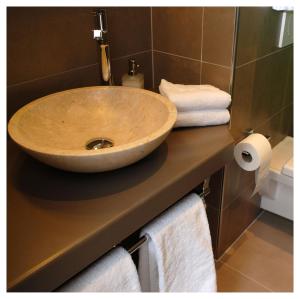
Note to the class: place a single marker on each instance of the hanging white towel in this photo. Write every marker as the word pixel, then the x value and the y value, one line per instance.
pixel 202 118
pixel 194 97
pixel 178 255
pixel 115 272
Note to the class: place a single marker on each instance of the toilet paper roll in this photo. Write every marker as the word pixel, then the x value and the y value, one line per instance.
pixel 254 153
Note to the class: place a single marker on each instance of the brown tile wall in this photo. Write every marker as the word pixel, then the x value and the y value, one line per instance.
pixel 186 45
pixel 50 49
pixel 262 100
pixel 129 33
pixel 213 206
pixel 263 84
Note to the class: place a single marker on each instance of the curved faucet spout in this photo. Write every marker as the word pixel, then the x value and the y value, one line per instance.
pixel 104 48
pixel 105 64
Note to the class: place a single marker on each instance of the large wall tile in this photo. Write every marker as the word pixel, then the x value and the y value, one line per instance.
pixel 243 89
pixel 289 87
pixel 214 198
pixel 261 89
pixel 21 94
pixel 271 79
pixel 218 35
pixel 257 33
pixel 278 126
pixel 287 121
pixel 43 41
pixel 178 30
pixel 129 30
pixel 175 69
pixel 216 75
pixel 213 216
pixel 236 180
pixel 236 217
pixel 52 48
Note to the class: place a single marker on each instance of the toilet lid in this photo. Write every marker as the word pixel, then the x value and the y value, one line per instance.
pixel 288 168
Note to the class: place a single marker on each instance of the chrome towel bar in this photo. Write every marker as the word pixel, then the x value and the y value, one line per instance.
pixel 137 245
pixel 143 239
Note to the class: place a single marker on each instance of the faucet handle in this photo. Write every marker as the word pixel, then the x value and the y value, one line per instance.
pixel 97 34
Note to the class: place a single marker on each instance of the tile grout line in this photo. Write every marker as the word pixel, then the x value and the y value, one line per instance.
pixel 273 115
pixel 219 65
pixel 266 121
pixel 52 75
pixel 233 52
pixel 239 237
pixel 152 53
pixel 201 44
pixel 131 54
pixel 246 276
pixel 236 270
pixel 192 59
pixel 176 55
pixel 260 58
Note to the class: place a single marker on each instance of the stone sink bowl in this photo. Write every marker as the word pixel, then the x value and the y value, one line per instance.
pixel 93 129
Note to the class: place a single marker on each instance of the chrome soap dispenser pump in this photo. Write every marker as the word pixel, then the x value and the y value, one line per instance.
pixel 133 78
pixel 104 48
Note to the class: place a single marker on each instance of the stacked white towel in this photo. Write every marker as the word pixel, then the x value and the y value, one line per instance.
pixel 197 105
pixel 178 255
pixel 115 272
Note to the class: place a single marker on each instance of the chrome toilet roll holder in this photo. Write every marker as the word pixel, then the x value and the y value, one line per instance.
pixel 246 155
pixel 250 131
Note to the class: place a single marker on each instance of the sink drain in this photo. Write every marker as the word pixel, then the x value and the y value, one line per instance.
pixel 99 143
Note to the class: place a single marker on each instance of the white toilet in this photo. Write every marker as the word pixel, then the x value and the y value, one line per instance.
pixel 277 192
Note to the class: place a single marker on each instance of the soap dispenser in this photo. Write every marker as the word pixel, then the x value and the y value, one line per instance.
pixel 133 78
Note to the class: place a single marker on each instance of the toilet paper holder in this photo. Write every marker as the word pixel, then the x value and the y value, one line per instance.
pixel 250 131
pixel 246 155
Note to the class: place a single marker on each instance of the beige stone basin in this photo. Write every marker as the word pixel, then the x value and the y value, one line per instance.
pixel 57 128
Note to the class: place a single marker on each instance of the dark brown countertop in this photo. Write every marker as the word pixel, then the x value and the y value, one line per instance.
pixel 59 222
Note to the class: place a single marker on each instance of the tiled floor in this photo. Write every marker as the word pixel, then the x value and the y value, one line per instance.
pixel 261 260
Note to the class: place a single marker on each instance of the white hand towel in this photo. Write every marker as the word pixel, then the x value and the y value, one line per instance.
pixel 115 272
pixel 194 97
pixel 178 255
pixel 202 118
pixel 164 84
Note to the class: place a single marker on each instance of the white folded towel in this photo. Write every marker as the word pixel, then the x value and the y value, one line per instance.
pixel 178 255
pixel 115 272
pixel 194 97
pixel 202 118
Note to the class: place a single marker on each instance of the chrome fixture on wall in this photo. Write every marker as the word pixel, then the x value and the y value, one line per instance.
pixel 250 131
pixel 99 35
pixel 202 190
